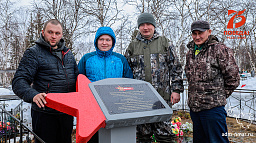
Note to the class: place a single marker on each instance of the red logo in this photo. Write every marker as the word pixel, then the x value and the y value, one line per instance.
pixel 124 88
pixel 237 14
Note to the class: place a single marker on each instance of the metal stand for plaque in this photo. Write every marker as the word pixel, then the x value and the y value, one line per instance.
pixel 118 135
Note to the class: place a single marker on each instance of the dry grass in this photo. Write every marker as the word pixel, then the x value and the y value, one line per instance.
pixel 244 132
pixel 237 132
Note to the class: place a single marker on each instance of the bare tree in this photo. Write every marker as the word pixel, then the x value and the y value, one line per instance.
pixel 69 13
pixel 7 33
pixel 123 32
pixel 101 12
pixel 12 37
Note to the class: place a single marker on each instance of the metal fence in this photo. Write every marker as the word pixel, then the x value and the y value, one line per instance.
pixel 12 127
pixel 241 104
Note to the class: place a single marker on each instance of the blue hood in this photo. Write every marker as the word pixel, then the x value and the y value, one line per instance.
pixel 102 31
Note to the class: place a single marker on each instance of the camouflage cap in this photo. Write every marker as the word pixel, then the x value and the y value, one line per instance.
pixel 200 25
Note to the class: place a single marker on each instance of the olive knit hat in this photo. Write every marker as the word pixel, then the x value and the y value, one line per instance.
pixel 146 18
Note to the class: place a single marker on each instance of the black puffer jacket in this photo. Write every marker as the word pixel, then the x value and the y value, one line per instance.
pixel 42 71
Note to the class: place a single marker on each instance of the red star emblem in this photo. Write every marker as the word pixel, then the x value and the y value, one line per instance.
pixel 82 105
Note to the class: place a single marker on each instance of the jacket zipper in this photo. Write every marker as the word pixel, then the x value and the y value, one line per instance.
pixel 105 68
pixel 63 65
pixel 48 88
pixel 64 68
pixel 47 91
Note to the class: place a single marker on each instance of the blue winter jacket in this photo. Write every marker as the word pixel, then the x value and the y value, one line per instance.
pixel 99 65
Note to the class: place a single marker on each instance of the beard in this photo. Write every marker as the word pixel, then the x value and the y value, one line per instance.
pixel 53 45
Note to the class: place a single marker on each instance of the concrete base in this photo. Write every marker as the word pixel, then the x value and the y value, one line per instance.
pixel 118 135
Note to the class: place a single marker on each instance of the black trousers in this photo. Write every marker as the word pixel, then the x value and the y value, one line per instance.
pixel 52 128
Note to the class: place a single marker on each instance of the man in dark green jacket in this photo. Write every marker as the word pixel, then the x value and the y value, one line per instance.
pixel 152 59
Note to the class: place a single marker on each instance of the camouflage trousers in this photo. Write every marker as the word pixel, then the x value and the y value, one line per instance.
pixel 161 130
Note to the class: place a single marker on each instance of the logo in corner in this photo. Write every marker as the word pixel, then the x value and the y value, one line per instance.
pixel 232 19
pixel 236 34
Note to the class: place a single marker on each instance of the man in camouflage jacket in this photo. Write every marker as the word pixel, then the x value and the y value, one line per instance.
pixel 212 76
pixel 152 59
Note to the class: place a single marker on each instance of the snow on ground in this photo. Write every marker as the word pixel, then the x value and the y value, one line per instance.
pixel 4 91
pixel 250 83
pixel 248 100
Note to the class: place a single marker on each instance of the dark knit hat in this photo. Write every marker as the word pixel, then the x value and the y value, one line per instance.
pixel 200 25
pixel 146 18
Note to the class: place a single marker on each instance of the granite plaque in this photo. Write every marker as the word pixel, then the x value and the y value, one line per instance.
pixel 129 102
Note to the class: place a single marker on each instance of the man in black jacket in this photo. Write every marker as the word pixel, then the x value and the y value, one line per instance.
pixel 47 67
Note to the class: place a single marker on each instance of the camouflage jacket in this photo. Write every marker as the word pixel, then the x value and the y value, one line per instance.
pixel 212 75
pixel 155 62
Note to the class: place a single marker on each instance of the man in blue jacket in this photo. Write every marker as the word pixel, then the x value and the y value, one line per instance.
pixel 47 67
pixel 104 63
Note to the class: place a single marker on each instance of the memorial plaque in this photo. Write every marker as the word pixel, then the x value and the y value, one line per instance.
pixel 129 102
pixel 127 98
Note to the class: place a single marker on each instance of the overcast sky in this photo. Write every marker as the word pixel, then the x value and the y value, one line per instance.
pixel 22 2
